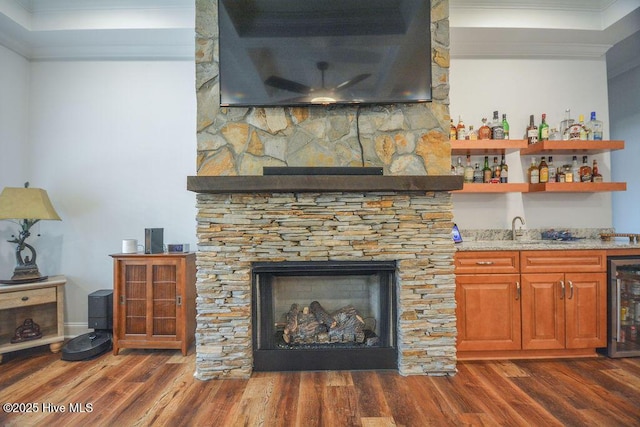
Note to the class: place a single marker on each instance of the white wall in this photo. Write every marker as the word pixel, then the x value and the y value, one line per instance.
pixel 112 142
pixel 624 98
pixel 14 95
pixel 519 88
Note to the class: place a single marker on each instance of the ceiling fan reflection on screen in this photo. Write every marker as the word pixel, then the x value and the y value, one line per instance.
pixel 321 95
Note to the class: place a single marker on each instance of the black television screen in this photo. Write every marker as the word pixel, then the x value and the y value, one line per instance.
pixel 300 52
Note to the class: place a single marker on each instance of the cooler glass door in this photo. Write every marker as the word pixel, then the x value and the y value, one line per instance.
pixel 624 309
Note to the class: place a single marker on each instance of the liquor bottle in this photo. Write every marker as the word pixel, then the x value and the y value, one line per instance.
pixel 468 170
pixel 554 135
pixel 472 134
pixel 459 167
pixel 504 171
pixel 486 171
pixel 543 132
pixel 575 169
pixel 553 172
pixel 595 128
pixel 561 176
pixel 532 132
pixel 533 171
pixel 461 129
pixel 477 174
pixel 485 131
pixel 583 128
pixel 543 170
pixel 585 170
pixel 566 124
pixel 505 126
pixel 497 131
pixel 496 170
pixel 453 132
pixel 595 172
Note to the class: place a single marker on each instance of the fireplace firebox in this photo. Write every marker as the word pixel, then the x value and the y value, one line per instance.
pixel 324 315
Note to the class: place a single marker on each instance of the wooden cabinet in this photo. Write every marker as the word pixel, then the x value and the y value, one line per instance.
pixel 564 307
pixel 43 302
pixel 498 147
pixel 154 301
pixel 488 301
pixel 530 303
pixel 488 312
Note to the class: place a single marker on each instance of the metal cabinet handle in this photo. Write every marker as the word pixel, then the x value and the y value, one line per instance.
pixel 484 262
pixel 518 291
pixel 122 302
pixel 562 287
pixel 179 300
pixel 570 289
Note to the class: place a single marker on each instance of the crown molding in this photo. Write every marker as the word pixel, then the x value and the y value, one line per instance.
pixel 100 29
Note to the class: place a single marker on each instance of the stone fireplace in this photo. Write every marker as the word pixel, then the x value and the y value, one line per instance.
pixel 244 218
pixel 323 315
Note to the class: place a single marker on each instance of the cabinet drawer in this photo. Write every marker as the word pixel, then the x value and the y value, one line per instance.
pixel 487 262
pixel 582 261
pixel 26 298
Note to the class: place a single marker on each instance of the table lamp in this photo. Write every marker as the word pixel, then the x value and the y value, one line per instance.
pixel 28 205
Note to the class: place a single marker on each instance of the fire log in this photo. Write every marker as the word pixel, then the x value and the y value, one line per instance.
pixel 292 323
pixel 322 315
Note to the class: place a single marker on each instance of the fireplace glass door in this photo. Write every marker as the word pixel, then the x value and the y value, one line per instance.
pixel 324 315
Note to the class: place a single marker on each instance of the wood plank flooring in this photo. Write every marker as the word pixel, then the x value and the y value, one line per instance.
pixel 156 387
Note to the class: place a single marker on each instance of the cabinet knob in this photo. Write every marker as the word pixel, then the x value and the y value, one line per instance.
pixel 25 298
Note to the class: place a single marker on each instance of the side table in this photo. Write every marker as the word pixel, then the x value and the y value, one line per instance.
pixel 43 302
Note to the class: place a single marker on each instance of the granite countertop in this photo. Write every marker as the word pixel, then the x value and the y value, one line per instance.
pixel 514 245
pixel 501 240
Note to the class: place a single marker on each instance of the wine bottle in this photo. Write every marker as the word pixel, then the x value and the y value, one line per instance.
pixel 532 132
pixel 543 132
pixel 505 126
pixel 486 171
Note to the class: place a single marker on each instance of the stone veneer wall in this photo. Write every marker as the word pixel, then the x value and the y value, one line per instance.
pixel 233 230
pixel 405 139
pixel 413 229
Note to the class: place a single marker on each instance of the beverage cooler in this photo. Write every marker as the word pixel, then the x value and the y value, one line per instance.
pixel 624 307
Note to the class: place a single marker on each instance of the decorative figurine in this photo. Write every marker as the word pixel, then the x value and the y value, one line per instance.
pixel 29 330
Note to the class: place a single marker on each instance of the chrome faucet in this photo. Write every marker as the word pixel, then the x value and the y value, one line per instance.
pixel 516 233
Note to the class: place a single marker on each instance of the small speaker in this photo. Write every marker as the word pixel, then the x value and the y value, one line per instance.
pixel 153 240
pixel 101 309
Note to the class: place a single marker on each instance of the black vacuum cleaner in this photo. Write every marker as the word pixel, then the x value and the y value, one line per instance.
pixel 99 341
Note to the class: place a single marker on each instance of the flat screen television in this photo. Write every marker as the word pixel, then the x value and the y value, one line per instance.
pixel 302 52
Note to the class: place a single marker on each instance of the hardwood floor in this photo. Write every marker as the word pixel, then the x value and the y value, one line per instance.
pixel 156 387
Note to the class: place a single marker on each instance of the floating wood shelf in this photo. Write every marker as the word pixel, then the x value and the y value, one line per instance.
pixel 486 146
pixel 577 187
pixel 571 147
pixel 515 187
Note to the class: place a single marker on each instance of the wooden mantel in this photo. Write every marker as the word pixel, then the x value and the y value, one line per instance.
pixel 322 183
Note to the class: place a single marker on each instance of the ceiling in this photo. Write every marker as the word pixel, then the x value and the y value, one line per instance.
pixel 164 29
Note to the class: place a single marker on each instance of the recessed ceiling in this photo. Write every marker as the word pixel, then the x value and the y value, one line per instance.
pixel 67 29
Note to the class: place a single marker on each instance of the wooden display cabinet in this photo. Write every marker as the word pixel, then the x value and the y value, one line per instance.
pixel 43 302
pixel 154 301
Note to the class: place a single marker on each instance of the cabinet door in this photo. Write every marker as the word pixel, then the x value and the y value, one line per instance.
pixel 586 310
pixel 163 299
pixel 132 295
pixel 543 316
pixel 488 312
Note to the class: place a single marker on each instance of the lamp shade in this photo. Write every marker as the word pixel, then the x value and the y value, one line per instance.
pixel 26 203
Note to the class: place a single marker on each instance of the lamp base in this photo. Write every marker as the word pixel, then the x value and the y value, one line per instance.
pixel 22 281
pixel 26 272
